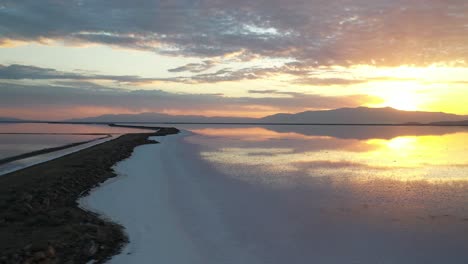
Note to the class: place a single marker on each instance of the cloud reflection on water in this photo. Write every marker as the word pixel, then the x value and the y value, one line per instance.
pixel 400 153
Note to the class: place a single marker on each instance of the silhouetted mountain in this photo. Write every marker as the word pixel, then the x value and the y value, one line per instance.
pixel 163 118
pixel 9 119
pixel 362 115
pixel 451 123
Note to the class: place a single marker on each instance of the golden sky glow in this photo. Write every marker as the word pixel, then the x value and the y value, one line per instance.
pixel 405 55
pixel 432 88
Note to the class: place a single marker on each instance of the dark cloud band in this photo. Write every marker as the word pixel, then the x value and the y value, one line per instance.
pixel 315 32
pixel 81 94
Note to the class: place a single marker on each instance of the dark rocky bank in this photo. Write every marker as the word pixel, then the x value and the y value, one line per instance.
pixel 40 221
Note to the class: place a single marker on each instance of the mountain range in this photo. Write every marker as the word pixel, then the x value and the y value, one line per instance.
pixel 451 123
pixel 9 119
pixel 363 115
pixel 162 118
pixel 359 115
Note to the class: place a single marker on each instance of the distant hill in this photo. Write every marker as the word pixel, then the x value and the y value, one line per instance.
pixel 451 123
pixel 162 118
pixel 9 119
pixel 362 115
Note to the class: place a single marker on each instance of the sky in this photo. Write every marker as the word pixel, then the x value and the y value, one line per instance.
pixel 79 58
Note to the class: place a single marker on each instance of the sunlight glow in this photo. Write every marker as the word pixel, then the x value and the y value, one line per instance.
pixel 400 95
pixel 428 158
pixel 402 100
pixel 401 143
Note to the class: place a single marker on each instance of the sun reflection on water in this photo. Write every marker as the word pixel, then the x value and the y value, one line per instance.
pixel 432 158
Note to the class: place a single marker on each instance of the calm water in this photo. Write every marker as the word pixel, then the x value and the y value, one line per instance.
pixel 340 194
pixel 12 145
pixel 14 141
pixel 408 154
pixel 326 194
pixel 64 128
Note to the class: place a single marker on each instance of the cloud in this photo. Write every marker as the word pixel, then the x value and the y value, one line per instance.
pixel 313 101
pixel 315 32
pixel 305 76
pixel 328 81
pixel 27 72
pixel 48 101
pixel 21 72
pixel 271 91
pixel 195 67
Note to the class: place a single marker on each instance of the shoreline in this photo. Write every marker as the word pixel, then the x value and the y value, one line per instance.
pixel 167 208
pixel 117 124
pixel 40 219
pixel 177 207
pixel 47 150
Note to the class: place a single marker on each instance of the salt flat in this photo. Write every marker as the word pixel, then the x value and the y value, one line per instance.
pixel 234 200
pixel 154 198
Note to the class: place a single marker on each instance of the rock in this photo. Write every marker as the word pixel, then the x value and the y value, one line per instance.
pixel 64 189
pixel 27 197
pixel 91 248
pixel 28 261
pixel 46 203
pixel 50 251
pixel 11 217
pixel 28 207
pixel 3 259
pixel 38 246
pixel 27 247
pixel 27 250
pixel 46 261
pixel 49 204
pixel 92 228
pixel 39 255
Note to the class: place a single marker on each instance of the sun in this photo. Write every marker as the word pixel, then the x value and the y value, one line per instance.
pixel 402 101
pixel 401 96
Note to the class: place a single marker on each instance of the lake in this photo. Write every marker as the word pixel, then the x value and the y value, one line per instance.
pixel 21 138
pixel 339 194
pixel 298 194
pixel 16 144
pixel 293 194
pixel 65 128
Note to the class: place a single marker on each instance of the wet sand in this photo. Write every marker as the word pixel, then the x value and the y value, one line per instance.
pixel 39 216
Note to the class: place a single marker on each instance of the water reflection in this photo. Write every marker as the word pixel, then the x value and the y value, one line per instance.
pixel 428 154
pixel 370 198
pixel 65 128
pixel 366 132
pixel 12 145
pixel 20 138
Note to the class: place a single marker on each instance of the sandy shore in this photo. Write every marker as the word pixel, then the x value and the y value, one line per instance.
pixel 39 216
pixel 157 200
